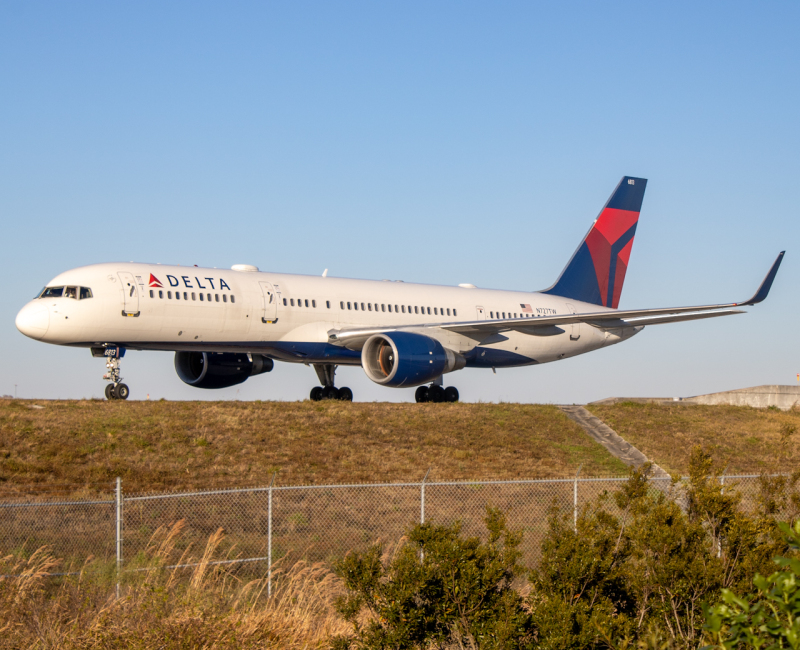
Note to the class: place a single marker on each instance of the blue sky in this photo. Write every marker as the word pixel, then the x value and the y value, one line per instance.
pixel 435 142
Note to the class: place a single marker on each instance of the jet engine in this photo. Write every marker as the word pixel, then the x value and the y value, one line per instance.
pixel 219 369
pixel 404 359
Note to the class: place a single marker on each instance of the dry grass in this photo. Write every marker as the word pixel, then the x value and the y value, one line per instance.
pixel 206 606
pixel 746 440
pixel 190 445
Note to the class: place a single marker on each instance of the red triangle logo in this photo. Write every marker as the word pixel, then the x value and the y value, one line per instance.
pixel 154 281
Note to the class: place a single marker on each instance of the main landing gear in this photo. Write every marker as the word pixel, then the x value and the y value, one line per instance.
pixel 436 393
pixel 116 389
pixel 326 372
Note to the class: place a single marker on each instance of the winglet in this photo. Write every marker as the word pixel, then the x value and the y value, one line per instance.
pixel 766 285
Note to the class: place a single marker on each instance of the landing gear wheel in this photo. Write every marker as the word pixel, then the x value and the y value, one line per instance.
pixel 345 394
pixel 316 393
pixel 110 392
pixel 436 394
pixel 122 391
pixel 330 392
pixel 421 395
pixel 451 394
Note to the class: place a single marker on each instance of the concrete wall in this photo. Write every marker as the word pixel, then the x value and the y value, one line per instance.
pixel 784 397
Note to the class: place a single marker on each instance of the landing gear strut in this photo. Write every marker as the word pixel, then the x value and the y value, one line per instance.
pixel 116 389
pixel 326 372
pixel 436 393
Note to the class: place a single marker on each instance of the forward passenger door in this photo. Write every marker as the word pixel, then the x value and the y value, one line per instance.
pixel 130 294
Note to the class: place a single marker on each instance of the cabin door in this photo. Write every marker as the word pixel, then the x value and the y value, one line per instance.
pixel 481 313
pixel 270 303
pixel 575 328
pixel 130 293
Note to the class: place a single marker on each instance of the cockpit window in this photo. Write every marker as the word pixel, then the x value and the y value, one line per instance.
pixel 77 293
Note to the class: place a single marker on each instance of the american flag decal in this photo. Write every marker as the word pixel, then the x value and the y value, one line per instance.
pixel 526 309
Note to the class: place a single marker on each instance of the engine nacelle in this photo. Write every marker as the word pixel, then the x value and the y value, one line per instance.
pixel 404 359
pixel 219 369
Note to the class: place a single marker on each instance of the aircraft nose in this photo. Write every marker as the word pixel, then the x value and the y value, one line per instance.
pixel 33 320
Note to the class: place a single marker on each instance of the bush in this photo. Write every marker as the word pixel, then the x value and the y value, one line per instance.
pixel 440 589
pixel 767 618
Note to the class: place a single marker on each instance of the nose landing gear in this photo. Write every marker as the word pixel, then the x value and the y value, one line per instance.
pixel 436 393
pixel 326 372
pixel 116 389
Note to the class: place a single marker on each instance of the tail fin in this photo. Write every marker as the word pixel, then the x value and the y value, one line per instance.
pixel 596 271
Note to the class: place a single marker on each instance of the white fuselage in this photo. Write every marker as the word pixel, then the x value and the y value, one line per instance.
pixel 291 317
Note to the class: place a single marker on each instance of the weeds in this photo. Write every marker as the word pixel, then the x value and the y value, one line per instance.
pixel 173 600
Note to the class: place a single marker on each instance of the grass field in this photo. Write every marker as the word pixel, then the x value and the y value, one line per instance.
pixel 747 440
pixel 81 446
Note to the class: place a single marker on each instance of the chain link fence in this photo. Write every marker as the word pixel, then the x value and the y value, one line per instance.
pixel 316 523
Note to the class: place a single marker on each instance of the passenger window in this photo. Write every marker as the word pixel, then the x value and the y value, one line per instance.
pixel 454 313
pixel 429 311
pixel 216 297
pixel 448 311
pixel 225 298
pixel 348 305
pixel 404 309
pixel 369 304
pixel 306 303
pixel 416 310
pixel 383 307
pixel 208 297
pixel 185 295
pixel 151 294
pixel 284 302
pixel 233 298
pixel 390 308
pixel 314 304
pixel 341 304
pixel 161 294
pixel 395 309
pixel 193 298
pixel 435 312
pixel 292 302
pixel 201 297
pixel 86 292
pixel 355 306
pixel 362 306
pixel 328 304
pixel 177 295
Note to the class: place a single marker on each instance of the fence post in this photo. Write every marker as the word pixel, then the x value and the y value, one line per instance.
pixel 118 502
pixel 269 537
pixel 422 498
pixel 575 499
pixel 721 491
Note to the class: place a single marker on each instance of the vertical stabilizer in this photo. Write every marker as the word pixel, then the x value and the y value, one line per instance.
pixel 596 271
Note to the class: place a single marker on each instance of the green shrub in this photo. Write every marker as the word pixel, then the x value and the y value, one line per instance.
pixel 440 589
pixel 767 618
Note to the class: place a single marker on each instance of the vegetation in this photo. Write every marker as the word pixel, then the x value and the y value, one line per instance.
pixel 204 606
pixel 746 440
pixel 768 618
pixel 81 446
pixel 637 570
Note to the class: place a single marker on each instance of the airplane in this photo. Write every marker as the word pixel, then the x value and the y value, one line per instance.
pixel 226 326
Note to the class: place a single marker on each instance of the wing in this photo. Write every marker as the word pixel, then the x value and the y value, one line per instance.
pixel 549 325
